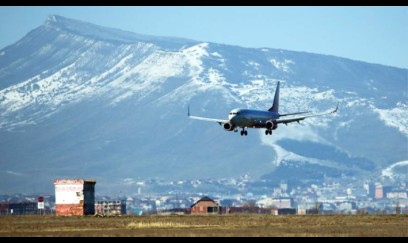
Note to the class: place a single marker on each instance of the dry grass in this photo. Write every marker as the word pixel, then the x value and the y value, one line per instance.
pixel 211 225
pixel 168 224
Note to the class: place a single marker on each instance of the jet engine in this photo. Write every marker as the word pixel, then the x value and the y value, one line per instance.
pixel 271 125
pixel 229 126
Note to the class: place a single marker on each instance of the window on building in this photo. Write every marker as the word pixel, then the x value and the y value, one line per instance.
pixel 212 210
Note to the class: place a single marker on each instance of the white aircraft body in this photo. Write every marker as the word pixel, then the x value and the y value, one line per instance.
pixel 249 118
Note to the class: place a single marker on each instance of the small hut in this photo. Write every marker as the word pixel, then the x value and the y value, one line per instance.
pixel 74 197
pixel 205 206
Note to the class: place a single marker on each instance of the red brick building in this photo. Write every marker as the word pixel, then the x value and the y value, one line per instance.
pixel 205 206
pixel 379 193
pixel 74 197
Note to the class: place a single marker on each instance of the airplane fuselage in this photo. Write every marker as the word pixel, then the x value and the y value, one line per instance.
pixel 251 118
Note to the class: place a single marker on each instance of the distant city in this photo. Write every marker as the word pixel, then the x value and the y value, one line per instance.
pixel 385 196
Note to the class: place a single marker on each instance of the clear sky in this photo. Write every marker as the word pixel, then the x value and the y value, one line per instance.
pixel 370 34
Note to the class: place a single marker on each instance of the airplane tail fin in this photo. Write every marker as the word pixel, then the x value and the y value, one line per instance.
pixel 275 106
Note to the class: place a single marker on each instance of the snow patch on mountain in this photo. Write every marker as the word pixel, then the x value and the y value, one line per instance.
pixel 37 91
pixel 254 65
pixel 284 155
pixel 297 132
pixel 325 95
pixel 160 65
pixel 126 77
pixel 355 102
pixel 389 170
pixel 193 57
pixel 13 173
pixel 396 117
pixel 292 131
pixel 216 54
pixel 282 65
pixel 215 77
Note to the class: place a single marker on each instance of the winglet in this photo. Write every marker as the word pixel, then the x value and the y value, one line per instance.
pixel 337 107
pixel 188 110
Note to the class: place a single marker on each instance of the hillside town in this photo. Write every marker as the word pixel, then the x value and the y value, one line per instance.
pixel 240 195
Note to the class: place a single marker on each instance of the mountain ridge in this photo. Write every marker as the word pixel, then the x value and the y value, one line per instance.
pixel 108 34
pixel 78 106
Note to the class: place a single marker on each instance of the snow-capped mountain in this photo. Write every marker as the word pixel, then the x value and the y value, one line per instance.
pixel 79 100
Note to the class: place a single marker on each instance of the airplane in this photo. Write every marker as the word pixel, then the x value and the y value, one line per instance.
pixel 249 118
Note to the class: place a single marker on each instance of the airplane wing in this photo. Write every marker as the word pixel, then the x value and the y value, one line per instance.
pixel 296 113
pixel 298 119
pixel 219 121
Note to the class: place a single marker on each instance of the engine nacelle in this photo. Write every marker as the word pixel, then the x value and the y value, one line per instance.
pixel 271 125
pixel 229 126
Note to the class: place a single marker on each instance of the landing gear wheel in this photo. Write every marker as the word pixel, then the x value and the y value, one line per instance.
pixel 246 133
pixel 268 132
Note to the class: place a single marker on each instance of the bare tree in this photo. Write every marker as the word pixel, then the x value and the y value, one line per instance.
pixel 397 208
pixel 250 206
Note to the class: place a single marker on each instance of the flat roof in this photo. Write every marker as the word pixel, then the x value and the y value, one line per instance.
pixel 73 181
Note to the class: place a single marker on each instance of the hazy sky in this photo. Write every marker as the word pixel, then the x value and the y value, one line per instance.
pixel 370 34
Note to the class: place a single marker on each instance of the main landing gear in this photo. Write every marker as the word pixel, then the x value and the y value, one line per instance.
pixel 268 132
pixel 244 132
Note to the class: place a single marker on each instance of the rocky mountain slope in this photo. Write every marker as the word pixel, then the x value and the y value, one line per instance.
pixel 79 100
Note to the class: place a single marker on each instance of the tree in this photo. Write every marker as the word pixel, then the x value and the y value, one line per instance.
pixel 397 208
pixel 250 206
pixel 315 209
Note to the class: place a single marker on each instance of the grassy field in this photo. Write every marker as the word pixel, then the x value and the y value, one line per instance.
pixel 211 225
